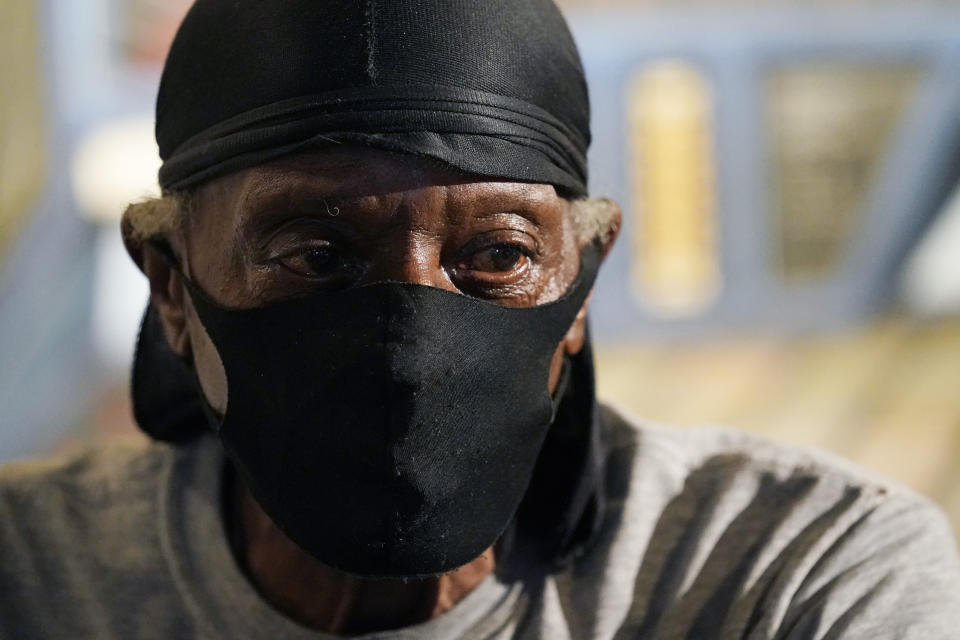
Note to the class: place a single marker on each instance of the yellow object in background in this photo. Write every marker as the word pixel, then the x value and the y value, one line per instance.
pixel 23 134
pixel 676 269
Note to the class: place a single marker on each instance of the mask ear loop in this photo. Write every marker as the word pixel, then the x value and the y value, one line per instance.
pixel 166 252
pixel 562 383
pixel 170 257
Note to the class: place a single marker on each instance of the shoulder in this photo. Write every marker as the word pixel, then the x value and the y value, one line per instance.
pixel 95 508
pixel 83 549
pixel 724 458
pixel 95 476
pixel 735 530
pixel 736 473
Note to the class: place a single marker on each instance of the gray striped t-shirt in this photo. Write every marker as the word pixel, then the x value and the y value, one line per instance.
pixel 709 533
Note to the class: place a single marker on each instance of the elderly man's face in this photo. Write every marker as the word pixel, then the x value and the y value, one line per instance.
pixel 355 216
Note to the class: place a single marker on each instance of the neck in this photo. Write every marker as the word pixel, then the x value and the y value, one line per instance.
pixel 326 600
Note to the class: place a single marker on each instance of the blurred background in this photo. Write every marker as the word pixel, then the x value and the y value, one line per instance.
pixel 790 260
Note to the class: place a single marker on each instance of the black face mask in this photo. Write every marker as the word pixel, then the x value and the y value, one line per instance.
pixel 390 429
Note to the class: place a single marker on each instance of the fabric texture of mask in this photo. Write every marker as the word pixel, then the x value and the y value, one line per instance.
pixel 493 88
pixel 390 429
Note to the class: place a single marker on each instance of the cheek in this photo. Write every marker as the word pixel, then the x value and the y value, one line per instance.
pixel 210 372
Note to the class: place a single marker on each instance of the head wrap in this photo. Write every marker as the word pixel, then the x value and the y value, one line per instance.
pixel 492 87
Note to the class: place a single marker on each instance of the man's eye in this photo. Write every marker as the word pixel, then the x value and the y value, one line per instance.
pixel 315 262
pixel 497 258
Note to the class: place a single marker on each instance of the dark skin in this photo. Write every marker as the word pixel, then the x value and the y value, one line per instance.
pixel 337 219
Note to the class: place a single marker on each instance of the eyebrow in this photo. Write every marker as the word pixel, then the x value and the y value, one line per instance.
pixel 519 199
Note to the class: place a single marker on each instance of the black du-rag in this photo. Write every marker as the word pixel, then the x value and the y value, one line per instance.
pixel 493 88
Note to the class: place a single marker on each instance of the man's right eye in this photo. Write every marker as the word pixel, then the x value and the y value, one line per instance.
pixel 317 262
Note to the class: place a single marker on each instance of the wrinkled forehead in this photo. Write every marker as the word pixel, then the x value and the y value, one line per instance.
pixel 339 176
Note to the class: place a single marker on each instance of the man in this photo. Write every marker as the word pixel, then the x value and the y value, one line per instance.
pixel 366 350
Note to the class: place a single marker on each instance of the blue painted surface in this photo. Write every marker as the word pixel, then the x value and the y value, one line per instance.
pixel 735 47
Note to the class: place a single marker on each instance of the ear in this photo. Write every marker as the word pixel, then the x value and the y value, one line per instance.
pixel 166 288
pixel 608 218
pixel 611 221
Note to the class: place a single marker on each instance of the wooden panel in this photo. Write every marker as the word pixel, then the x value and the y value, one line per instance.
pixel 23 135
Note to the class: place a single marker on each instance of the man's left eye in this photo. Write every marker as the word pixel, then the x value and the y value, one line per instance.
pixel 497 258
